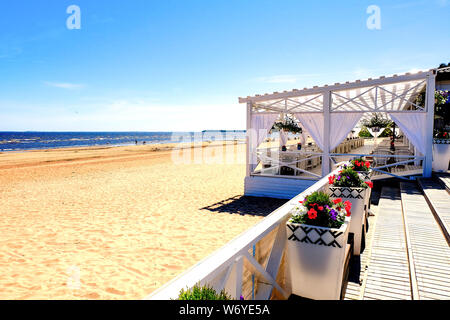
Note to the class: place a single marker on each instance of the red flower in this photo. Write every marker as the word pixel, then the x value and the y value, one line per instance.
pixel 336 201
pixel 369 183
pixel 357 163
pixel 367 164
pixel 348 212
pixel 312 214
pixel 331 179
pixel 300 201
pixel 348 204
pixel 320 208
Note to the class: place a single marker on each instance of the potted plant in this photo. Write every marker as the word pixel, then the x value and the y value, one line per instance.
pixel 289 124
pixel 317 237
pixel 362 167
pixel 198 292
pixel 441 142
pixel 441 151
pixel 349 186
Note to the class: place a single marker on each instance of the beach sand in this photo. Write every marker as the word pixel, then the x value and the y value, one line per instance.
pixel 118 222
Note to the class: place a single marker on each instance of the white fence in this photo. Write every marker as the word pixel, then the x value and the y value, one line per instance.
pixel 252 265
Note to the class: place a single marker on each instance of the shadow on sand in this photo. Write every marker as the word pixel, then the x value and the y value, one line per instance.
pixel 245 205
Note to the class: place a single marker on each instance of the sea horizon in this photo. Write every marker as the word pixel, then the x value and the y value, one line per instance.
pixel 41 140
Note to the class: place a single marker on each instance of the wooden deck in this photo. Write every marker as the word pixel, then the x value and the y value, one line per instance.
pixel 401 171
pixel 406 255
pixel 438 199
pixel 430 251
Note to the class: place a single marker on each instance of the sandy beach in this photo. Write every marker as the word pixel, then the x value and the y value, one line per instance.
pixel 118 222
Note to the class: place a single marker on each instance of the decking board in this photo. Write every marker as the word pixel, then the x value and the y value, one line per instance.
pixel 430 250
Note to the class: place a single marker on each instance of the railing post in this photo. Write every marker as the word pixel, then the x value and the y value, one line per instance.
pixel 326 133
pixel 249 140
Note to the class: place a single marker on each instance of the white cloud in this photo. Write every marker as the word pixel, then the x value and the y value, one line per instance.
pixel 64 85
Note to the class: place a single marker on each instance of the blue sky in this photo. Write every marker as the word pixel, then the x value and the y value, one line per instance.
pixel 144 65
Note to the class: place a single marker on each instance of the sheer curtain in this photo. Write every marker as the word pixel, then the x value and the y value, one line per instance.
pixel 413 126
pixel 313 122
pixel 283 138
pixel 260 126
pixel 340 125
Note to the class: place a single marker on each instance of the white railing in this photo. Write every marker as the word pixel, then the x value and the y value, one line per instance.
pixel 303 164
pixel 251 265
pixel 300 162
pixel 399 164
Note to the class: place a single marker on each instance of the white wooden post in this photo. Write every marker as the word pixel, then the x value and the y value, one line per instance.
pixel 428 162
pixel 248 138
pixel 326 133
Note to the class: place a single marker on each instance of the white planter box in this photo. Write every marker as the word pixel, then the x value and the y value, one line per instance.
pixel 358 198
pixel 441 156
pixel 316 259
pixel 366 177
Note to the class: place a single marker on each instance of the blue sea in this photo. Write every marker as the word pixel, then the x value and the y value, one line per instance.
pixel 17 141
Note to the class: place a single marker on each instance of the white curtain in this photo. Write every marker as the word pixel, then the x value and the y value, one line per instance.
pixel 340 125
pixel 283 138
pixel 303 137
pixel 313 122
pixel 357 131
pixel 260 127
pixel 413 126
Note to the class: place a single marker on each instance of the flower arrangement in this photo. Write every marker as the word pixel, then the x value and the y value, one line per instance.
pixel 289 124
pixel 377 121
pixel 318 209
pixel 348 177
pixel 441 135
pixel 360 165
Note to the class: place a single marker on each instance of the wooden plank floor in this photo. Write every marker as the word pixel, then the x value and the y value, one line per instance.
pixel 358 266
pixel 387 275
pixel 429 250
pixel 439 200
pixel 444 179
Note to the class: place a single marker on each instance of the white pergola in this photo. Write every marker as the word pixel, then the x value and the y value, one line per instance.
pixel 392 95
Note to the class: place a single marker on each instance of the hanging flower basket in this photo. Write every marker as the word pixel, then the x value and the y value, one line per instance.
pixel 288 125
pixel 317 238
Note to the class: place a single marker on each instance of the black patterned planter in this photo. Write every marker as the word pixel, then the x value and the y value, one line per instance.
pixel 441 141
pixel 365 175
pixel 358 198
pixel 316 258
